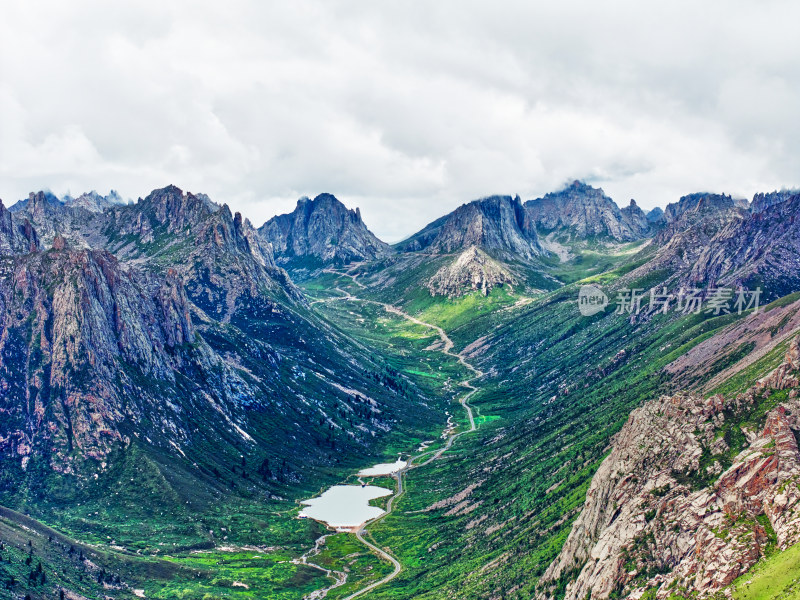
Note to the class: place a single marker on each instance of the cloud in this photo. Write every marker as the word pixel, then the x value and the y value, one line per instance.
pixel 405 109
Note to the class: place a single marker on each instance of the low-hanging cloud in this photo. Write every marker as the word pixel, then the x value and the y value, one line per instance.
pixel 404 109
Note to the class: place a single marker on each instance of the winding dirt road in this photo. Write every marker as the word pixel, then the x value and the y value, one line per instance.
pixel 447 349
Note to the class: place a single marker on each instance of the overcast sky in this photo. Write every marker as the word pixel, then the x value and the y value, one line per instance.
pixel 406 109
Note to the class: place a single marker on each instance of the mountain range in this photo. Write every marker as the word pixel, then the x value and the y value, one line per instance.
pixel 173 380
pixel 175 296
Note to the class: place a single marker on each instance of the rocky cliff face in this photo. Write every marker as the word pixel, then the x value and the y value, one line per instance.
pixel 497 223
pixel 692 494
pixel 581 211
pixel 698 204
pixel 323 229
pixel 16 237
pixel 762 202
pixel 84 315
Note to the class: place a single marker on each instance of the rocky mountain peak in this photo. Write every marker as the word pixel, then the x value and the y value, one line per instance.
pixel 94 202
pixel 762 201
pixel 635 218
pixel 656 215
pixel 700 203
pixel 40 205
pixel 50 216
pixel 582 188
pixel 172 207
pixel 323 229
pixel 582 211
pixel 496 223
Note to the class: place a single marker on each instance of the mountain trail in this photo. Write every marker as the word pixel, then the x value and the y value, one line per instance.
pixel 340 577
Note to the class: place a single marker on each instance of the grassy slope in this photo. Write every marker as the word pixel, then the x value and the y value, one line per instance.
pixel 97 569
pixel 777 577
pixel 536 460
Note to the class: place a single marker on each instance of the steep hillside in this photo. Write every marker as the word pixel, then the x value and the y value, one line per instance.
pixel 186 349
pixel 712 242
pixel 693 493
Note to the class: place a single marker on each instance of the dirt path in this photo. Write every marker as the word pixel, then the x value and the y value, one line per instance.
pixel 447 349
pixel 339 577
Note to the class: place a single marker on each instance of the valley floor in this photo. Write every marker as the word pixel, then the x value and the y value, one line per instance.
pixel 449 436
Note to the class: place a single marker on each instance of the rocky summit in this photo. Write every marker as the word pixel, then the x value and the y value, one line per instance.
pixel 711 241
pixel 496 223
pixel 763 201
pixel 582 211
pixel 16 235
pixel 693 206
pixel 323 230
